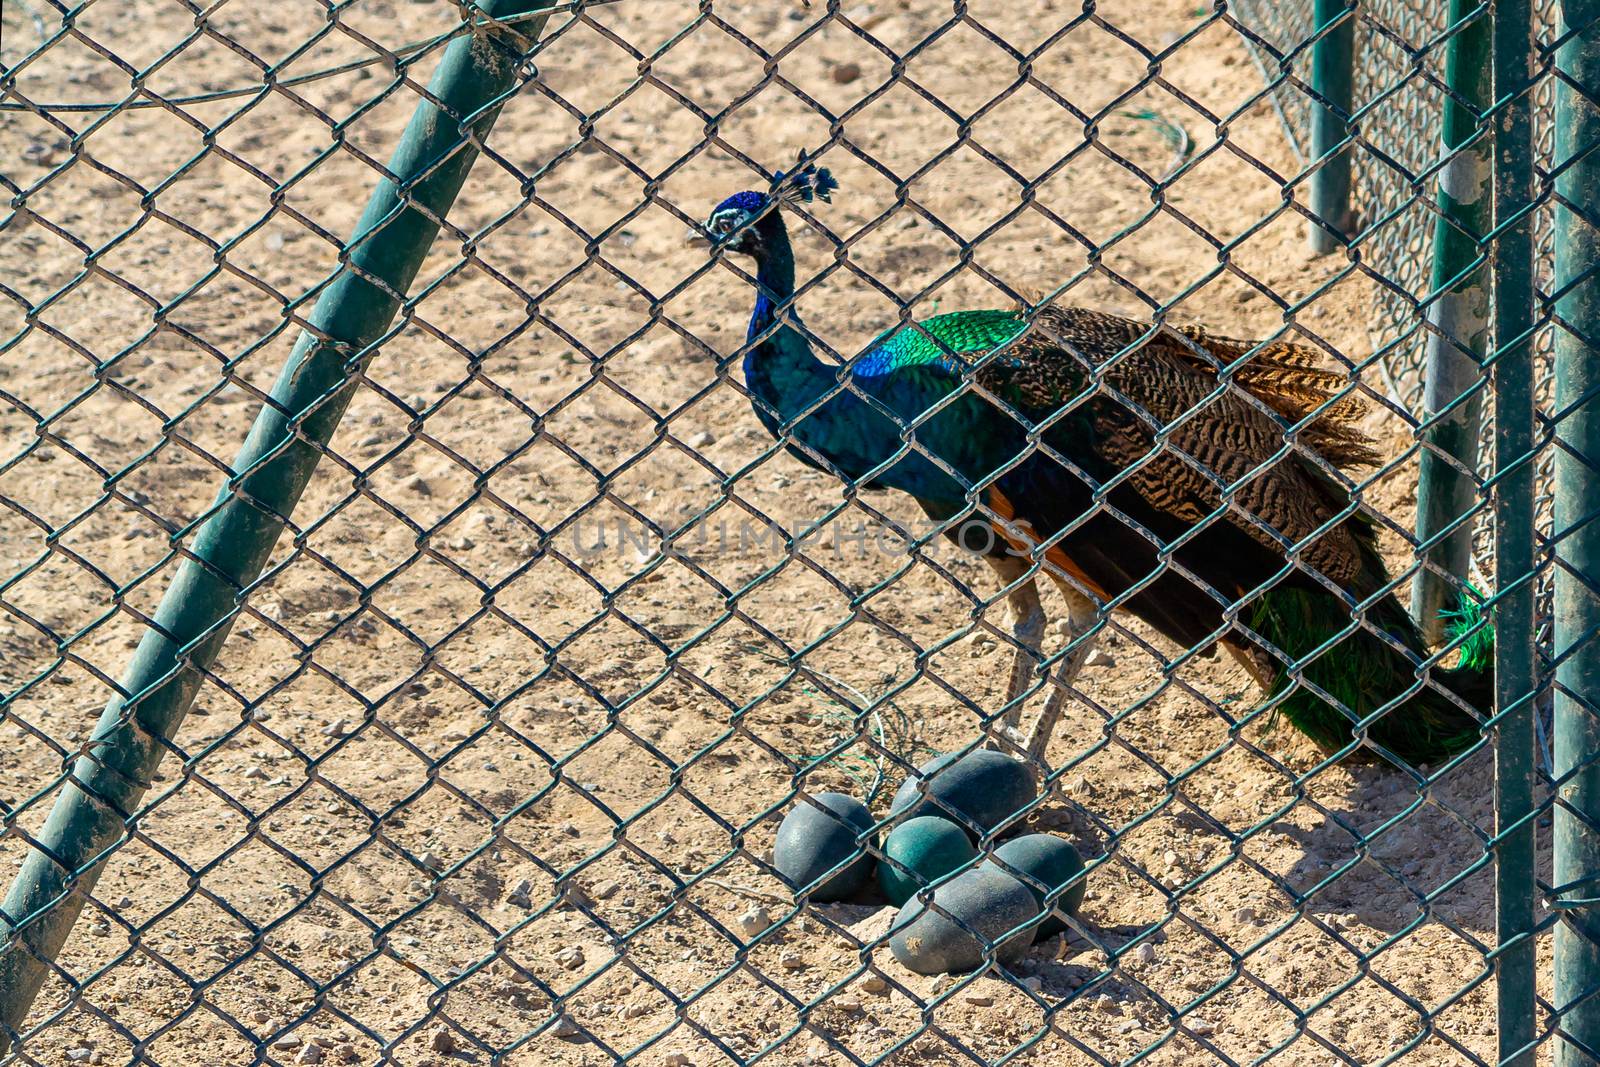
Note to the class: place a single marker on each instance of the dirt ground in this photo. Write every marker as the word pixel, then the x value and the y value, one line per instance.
pixel 464 788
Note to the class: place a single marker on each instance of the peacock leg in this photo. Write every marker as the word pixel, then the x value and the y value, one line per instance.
pixel 1027 632
pixel 1081 616
pixel 1255 662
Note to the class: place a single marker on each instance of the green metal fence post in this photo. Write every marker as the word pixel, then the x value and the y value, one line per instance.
pixel 1333 82
pixel 87 822
pixel 1453 375
pixel 1577 503
pixel 1515 677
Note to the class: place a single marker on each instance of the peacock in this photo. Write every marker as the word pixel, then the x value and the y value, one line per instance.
pixel 1186 478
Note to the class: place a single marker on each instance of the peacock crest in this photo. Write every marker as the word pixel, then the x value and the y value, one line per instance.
pixel 805 183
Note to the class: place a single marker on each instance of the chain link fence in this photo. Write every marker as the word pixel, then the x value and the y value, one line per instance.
pixel 483 760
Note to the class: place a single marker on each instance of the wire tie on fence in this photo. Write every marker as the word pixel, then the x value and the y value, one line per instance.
pixel 1554 899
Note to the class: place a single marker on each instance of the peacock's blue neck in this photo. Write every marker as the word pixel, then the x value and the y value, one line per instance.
pixel 782 374
pixel 844 434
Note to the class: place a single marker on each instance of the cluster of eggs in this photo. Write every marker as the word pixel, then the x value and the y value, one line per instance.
pixel 983 903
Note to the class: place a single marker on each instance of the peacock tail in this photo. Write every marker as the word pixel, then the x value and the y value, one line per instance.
pixel 1334 678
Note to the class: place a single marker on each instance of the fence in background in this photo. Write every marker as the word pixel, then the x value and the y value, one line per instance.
pixel 1411 83
pixel 688 954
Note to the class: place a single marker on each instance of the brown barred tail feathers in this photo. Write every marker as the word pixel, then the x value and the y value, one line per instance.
pixel 1288 378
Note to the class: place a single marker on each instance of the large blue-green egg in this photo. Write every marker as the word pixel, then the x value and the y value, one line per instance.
pixel 984 787
pixel 816 836
pixel 988 901
pixel 921 851
pixel 1049 863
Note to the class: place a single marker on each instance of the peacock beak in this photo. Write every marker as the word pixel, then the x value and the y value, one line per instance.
pixel 696 236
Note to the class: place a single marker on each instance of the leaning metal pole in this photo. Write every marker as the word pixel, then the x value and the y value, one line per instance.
pixel 1511 359
pixel 1447 488
pixel 1576 842
pixel 89 820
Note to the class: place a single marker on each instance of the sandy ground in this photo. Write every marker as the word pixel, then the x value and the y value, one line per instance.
pixel 455 776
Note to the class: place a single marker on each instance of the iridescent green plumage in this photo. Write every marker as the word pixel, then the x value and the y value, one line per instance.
pixel 931 340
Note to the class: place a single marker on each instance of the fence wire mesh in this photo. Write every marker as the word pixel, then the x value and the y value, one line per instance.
pixel 492 764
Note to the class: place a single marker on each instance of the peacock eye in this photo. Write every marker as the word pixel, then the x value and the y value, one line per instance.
pixel 724 224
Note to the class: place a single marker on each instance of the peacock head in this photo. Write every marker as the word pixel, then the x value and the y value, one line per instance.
pixel 735 225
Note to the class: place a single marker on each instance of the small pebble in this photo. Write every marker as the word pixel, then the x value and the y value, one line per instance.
pixel 1032 984
pixel 638 1009
pixel 564 1028
pixel 1245 915
pixel 1146 953
pixel 255 773
pixel 678 1059
pixel 1170 858
pixel 78 1055
pixel 701 440
pixel 442 1040
pixel 754 921
pixel 518 897
pixel 283 1044
pixel 570 958
pixel 310 1054
pixel 790 961
pixel 1098 658
pixel 336 728
pixel 873 984
pixel 845 73
pixel 978 1000
pixel 1201 1027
